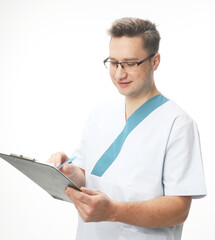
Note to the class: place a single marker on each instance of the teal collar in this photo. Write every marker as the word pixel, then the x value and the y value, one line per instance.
pixel 137 117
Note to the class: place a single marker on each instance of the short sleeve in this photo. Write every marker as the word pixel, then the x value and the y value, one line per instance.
pixel 183 173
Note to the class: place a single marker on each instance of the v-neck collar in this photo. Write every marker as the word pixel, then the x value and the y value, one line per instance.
pixel 136 118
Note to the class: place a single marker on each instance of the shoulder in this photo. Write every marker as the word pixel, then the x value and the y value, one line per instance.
pixel 178 118
pixel 171 108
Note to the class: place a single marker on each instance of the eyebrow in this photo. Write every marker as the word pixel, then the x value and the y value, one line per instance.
pixel 125 59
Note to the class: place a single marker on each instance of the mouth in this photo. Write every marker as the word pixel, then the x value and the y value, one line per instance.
pixel 123 84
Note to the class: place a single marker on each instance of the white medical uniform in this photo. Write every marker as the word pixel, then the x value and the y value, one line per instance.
pixel 160 157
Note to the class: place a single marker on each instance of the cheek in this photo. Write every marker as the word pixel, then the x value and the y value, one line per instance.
pixel 142 73
pixel 136 76
pixel 112 76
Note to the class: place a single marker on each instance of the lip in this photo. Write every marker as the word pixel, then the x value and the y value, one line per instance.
pixel 123 84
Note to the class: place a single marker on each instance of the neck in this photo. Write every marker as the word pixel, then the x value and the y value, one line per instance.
pixel 132 104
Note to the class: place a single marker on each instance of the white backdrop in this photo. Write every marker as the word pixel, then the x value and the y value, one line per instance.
pixel 52 75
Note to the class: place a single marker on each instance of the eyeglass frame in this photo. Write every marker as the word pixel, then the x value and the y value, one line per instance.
pixel 138 63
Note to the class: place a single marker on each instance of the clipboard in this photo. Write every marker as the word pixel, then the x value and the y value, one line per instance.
pixel 45 175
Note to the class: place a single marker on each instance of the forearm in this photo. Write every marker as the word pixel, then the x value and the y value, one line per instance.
pixel 160 212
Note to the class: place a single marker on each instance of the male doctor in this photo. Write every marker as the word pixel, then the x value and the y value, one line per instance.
pixel 139 158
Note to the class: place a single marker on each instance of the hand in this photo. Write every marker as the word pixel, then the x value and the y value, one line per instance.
pixel 58 158
pixel 73 172
pixel 92 205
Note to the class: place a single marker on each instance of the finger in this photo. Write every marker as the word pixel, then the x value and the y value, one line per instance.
pixel 58 158
pixel 76 195
pixel 89 191
pixel 54 159
pixel 71 193
pixel 70 171
pixel 80 206
pixel 67 168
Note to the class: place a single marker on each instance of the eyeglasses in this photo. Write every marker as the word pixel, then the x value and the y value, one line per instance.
pixel 127 66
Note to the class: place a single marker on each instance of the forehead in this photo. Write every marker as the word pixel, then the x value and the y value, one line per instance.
pixel 126 47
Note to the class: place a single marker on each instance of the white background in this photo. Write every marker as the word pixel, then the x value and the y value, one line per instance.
pixel 52 75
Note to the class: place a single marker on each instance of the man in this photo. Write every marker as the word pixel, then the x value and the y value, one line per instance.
pixel 139 159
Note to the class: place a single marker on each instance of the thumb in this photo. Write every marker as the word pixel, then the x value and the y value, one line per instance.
pixel 89 191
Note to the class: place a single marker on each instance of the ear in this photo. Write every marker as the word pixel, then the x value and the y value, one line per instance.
pixel 155 61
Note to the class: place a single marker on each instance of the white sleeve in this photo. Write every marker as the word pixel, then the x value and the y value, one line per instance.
pixel 183 173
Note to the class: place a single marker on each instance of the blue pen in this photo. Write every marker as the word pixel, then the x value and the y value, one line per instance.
pixel 67 162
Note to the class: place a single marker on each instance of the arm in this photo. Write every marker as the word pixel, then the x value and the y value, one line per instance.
pixel 160 212
pixel 94 206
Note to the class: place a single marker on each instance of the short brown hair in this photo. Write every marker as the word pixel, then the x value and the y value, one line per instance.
pixel 131 27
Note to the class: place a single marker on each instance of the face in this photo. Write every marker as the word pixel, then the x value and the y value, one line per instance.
pixel 138 82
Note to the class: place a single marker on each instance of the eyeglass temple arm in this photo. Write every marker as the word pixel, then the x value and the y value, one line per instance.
pixel 150 56
pixel 105 60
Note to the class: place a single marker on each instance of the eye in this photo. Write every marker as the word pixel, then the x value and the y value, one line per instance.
pixel 113 64
pixel 131 64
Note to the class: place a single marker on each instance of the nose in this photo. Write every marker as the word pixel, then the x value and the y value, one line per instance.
pixel 120 73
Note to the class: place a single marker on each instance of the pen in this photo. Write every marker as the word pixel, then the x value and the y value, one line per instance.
pixel 68 161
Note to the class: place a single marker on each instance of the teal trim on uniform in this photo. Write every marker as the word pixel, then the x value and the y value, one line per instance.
pixel 137 117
